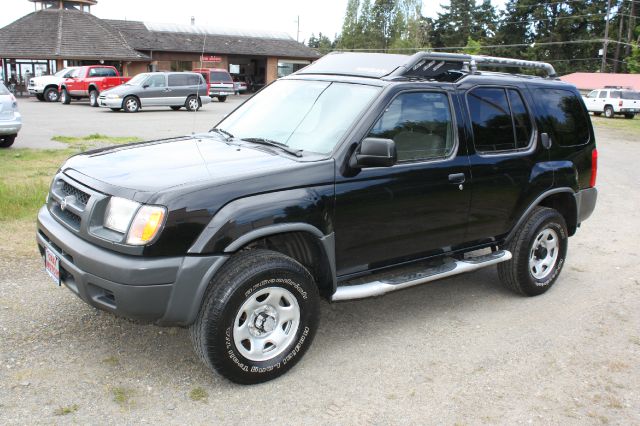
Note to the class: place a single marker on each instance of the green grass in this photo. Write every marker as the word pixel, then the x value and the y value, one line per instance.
pixel 631 127
pixel 198 394
pixel 122 396
pixel 96 139
pixel 63 411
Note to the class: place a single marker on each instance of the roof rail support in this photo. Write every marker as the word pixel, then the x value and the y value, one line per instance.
pixel 469 63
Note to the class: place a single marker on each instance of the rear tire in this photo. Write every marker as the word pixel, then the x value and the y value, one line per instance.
pixel 539 249
pixel 222 98
pixel 597 114
pixel 93 98
pixel 608 111
pixel 64 97
pixel 51 95
pixel 7 141
pixel 131 104
pixel 629 116
pixel 193 103
pixel 258 317
pixel 115 109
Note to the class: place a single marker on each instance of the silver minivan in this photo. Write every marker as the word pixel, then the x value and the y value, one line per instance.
pixel 10 118
pixel 152 89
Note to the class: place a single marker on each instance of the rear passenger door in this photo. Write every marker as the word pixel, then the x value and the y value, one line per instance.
pixel 416 208
pixel 178 89
pixel 504 159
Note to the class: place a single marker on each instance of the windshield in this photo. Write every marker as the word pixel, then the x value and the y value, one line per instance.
pixel 308 115
pixel 631 95
pixel 137 80
pixel 61 73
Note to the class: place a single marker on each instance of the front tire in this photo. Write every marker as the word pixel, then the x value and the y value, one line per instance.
pixel 608 111
pixel 51 95
pixel 258 318
pixel 115 109
pixel 40 97
pixel 64 97
pixel 222 98
pixel 176 108
pixel 539 250
pixel 7 141
pixel 131 104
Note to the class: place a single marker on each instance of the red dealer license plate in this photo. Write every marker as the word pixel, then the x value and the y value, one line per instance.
pixel 52 265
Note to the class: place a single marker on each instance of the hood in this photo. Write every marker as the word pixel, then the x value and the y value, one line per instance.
pixel 121 89
pixel 150 167
pixel 46 79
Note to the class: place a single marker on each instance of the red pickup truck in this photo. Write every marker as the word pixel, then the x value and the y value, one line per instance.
pixel 88 82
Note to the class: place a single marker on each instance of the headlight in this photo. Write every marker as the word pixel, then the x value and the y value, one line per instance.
pixel 142 222
pixel 113 96
pixel 146 225
pixel 119 214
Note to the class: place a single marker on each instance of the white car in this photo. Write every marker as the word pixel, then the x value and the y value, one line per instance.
pixel 10 118
pixel 612 102
pixel 45 88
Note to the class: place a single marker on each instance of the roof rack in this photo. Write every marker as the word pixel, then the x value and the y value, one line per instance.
pixel 433 65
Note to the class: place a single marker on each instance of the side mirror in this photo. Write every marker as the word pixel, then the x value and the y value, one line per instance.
pixel 376 152
pixel 546 140
pixel 145 86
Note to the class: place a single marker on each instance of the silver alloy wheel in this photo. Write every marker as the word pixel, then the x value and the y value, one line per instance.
pixel 544 254
pixel 266 323
pixel 193 104
pixel 93 98
pixel 63 96
pixel 131 105
pixel 52 96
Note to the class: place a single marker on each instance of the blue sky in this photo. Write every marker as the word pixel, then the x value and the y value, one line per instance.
pixel 275 15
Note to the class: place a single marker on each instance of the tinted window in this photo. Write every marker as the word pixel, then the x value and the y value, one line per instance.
pixel 420 125
pixel 615 94
pixel 631 95
pixel 593 94
pixel 102 72
pixel 184 79
pixel 564 112
pixel 156 81
pixel 603 94
pixel 3 90
pixel 500 119
pixel 220 76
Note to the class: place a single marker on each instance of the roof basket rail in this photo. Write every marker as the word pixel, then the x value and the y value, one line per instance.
pixel 434 64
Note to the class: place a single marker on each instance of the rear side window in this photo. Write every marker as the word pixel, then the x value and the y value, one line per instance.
pixel 220 76
pixel 102 72
pixel 184 79
pixel 635 96
pixel 500 119
pixel 564 113
pixel 420 124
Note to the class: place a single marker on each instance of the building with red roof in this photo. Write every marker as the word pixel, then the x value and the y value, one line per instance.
pixel 587 81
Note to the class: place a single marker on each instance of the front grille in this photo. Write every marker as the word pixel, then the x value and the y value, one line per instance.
pixel 71 218
pixel 81 196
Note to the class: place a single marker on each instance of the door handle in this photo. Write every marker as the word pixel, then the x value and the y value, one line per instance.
pixel 457 178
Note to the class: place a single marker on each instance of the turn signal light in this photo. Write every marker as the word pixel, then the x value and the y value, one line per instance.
pixel 146 225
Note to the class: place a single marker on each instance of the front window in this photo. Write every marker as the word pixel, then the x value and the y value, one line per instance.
pixel 137 80
pixel 307 115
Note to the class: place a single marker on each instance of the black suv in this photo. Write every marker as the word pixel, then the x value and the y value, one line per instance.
pixel 359 175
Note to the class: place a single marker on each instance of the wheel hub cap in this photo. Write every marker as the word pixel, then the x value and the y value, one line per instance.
pixel 266 324
pixel 544 254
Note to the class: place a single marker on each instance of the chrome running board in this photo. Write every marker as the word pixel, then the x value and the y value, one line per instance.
pixel 380 287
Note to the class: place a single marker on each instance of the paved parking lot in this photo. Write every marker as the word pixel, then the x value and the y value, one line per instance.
pixel 458 351
pixel 43 120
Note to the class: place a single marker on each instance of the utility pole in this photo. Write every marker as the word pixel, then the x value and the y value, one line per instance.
pixel 298 32
pixel 606 39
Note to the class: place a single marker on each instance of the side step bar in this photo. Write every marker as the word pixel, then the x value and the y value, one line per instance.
pixel 378 288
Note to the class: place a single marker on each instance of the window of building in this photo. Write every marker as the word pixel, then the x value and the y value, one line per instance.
pixel 501 121
pixel 181 66
pixel 289 67
pixel 565 114
pixel 420 124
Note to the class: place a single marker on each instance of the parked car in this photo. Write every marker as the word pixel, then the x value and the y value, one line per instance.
pixel 89 82
pixel 613 102
pixel 360 175
pixel 220 82
pixel 172 89
pixel 239 86
pixel 10 118
pixel 45 88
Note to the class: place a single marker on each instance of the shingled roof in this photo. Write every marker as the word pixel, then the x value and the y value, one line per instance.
pixel 141 37
pixel 64 34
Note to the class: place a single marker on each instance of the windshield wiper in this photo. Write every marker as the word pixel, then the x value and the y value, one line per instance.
pixel 228 136
pixel 269 142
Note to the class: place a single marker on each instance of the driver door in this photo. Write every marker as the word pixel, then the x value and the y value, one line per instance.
pixel 153 91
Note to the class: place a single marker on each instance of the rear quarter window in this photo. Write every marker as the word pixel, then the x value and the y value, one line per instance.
pixel 185 80
pixel 564 113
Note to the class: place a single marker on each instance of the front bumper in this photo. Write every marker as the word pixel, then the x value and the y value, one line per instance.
pixel 167 290
pixel 110 103
pixel 11 127
pixel 35 90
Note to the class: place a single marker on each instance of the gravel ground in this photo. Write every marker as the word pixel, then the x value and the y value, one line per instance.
pixel 43 120
pixel 459 351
